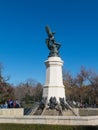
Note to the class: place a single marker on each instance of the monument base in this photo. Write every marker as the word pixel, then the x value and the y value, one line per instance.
pixel 53 100
pixel 54 80
pixel 54 109
pixel 58 92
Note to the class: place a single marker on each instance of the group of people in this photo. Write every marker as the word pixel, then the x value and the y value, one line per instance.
pixel 78 104
pixel 10 104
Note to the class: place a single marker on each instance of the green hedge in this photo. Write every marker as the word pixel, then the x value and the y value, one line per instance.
pixel 44 127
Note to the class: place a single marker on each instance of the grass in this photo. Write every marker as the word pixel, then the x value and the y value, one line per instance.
pixel 44 127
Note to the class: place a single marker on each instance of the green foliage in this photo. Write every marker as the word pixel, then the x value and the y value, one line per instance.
pixel 44 127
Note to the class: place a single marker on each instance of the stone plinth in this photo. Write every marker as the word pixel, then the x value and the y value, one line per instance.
pixel 16 112
pixel 54 79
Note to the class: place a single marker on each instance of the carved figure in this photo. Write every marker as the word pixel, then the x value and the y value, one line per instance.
pixel 52 103
pixel 52 45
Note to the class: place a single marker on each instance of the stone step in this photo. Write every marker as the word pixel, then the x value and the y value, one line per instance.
pixel 68 113
pixel 37 112
pixel 51 112
pixel 34 110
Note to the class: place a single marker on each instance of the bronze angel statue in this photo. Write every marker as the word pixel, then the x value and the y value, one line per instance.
pixel 52 45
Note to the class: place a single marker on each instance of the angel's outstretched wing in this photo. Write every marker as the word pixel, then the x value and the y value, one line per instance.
pixel 50 34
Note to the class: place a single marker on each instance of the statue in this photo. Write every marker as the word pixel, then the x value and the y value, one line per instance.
pixel 52 103
pixel 52 45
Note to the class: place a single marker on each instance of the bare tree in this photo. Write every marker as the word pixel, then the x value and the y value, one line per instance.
pixel 6 90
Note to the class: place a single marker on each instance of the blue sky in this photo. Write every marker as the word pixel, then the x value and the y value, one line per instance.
pixel 22 36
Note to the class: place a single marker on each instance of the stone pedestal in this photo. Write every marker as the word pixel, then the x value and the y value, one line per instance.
pixel 54 79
